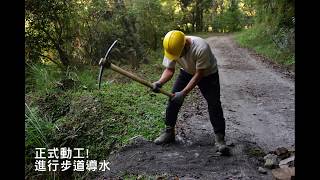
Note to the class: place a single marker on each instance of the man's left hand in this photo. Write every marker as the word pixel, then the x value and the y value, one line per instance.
pixel 156 87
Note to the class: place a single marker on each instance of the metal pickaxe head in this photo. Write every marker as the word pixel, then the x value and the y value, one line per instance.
pixel 105 63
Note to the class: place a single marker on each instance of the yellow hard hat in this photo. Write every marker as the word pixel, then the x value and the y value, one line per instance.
pixel 173 44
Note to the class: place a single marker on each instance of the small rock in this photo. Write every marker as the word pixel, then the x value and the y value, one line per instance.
pixel 140 177
pixel 199 113
pixel 271 152
pixel 282 153
pixel 291 150
pixel 289 161
pixel 137 140
pixel 160 178
pixel 234 172
pixel 179 139
pixel 281 150
pixel 196 155
pixel 230 144
pixel 260 159
pixel 262 170
pixel 269 155
pixel 270 161
pixel 185 115
pixel 217 154
pixel 286 173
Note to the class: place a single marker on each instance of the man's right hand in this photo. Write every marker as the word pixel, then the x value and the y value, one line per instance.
pixel 156 87
pixel 178 97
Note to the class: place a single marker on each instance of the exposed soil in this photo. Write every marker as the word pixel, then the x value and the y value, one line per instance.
pixel 258 104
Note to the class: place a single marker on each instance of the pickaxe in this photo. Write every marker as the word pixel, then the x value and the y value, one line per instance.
pixel 104 63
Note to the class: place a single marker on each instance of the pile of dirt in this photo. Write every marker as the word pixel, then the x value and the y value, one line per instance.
pixel 54 105
pixel 84 123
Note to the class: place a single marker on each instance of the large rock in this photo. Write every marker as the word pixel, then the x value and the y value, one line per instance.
pixel 284 173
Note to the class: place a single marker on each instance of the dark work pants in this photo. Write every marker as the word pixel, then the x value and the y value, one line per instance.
pixel 210 89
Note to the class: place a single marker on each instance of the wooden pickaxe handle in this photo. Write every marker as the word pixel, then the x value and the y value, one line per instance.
pixel 137 79
pixel 104 63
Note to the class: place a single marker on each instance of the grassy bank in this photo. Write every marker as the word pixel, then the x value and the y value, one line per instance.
pixel 65 109
pixel 257 39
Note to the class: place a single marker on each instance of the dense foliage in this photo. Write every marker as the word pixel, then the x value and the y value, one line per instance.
pixel 78 32
pixel 273 31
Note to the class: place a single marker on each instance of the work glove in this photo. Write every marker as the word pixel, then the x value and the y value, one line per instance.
pixel 156 87
pixel 178 97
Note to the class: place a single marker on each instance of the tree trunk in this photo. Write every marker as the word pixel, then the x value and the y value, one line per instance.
pixel 198 16
pixel 128 22
pixel 201 20
pixel 63 56
pixel 193 21
pixel 155 45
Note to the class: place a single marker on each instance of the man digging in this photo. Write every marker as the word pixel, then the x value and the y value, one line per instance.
pixel 199 67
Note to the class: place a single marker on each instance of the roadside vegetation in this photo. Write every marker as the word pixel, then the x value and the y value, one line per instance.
pixel 273 33
pixel 68 110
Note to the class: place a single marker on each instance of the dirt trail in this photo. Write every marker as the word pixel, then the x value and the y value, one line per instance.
pixel 258 104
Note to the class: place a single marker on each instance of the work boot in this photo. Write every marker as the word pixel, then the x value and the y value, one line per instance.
pixel 166 137
pixel 221 144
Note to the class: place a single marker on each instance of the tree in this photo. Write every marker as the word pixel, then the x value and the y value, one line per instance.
pixel 229 19
pixel 49 29
pixel 193 12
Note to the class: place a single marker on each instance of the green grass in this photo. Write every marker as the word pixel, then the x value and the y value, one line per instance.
pixel 205 35
pixel 257 38
pixel 260 41
pixel 256 152
pixel 41 78
pixel 83 116
pixel 38 131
